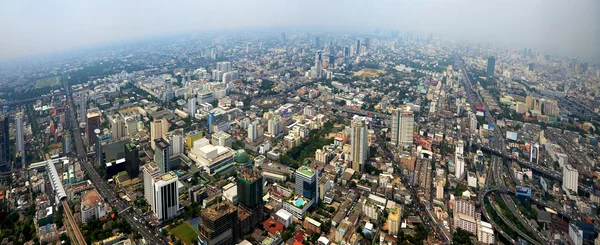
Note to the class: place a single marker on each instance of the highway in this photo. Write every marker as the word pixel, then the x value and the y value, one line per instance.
pixel 101 185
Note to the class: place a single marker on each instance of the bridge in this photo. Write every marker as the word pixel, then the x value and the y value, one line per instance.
pixel 79 239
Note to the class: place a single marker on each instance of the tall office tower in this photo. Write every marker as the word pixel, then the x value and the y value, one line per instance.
pixel 358 47
pixel 177 142
pixel 274 126
pixel 19 133
pixel 218 224
pixel 98 149
pixel 570 178
pixel 162 158
pixel 402 128
pixel 460 148
pixel 367 43
pixel 346 52
pixel 252 131
pixel 307 183
pixel 249 186
pixel 150 170
pixel 169 93
pixel 331 61
pixel 318 66
pixel 317 42
pixel 67 143
pixel 491 66
pixel 132 159
pixel 192 106
pixel 93 123
pixel 82 106
pixel 4 144
pixel 117 126
pixel 158 129
pixel 459 166
pixel 165 196
pixel 359 143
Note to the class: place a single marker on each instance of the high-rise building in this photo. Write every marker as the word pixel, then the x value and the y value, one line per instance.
pixel 224 66
pixel 331 61
pixel 570 178
pixel 307 183
pixel 275 126
pixel 402 128
pixel 158 128
pixel 317 42
pixel 82 106
pixel 4 144
pixel 249 186
pixel 165 196
pixel 177 142
pixel 218 224
pixel 464 215
pixel 360 148
pixel 20 141
pixel 491 66
pixel 459 166
pixel 485 233
pixel 161 155
pixel 67 143
pixel 439 189
pixel 252 131
pixel 93 123
pixel 346 52
pixel 358 47
pixel 150 170
pixel 132 159
pixel 117 126
pixel 192 106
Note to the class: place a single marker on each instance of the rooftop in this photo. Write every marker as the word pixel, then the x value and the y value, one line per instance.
pixel 90 198
pixel 165 177
pixel 162 143
pixel 218 210
pixel 306 171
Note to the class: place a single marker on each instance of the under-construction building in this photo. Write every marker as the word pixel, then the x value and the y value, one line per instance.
pixel 218 224
pixel 250 194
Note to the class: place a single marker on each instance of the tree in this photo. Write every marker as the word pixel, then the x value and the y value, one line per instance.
pixel 461 236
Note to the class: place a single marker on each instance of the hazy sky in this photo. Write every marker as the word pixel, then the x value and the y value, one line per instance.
pixel 564 27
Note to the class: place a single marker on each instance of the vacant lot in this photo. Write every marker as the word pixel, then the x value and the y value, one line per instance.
pixel 48 82
pixel 369 73
pixel 184 232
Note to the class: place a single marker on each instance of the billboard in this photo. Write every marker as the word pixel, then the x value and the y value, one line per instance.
pixel 523 191
pixel 511 135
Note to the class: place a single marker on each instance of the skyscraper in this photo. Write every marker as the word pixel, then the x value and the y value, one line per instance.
pixel 82 106
pixel 177 142
pixel 4 143
pixel 317 42
pixel 93 123
pixel 117 127
pixel 346 52
pixel 67 143
pixel 570 178
pixel 331 61
pixel 161 155
pixel 358 47
pixel 158 128
pixel 318 67
pixel 249 186
pixel 307 183
pixel 359 143
pixel 402 128
pixel 192 106
pixel 274 126
pixel 165 196
pixel 132 159
pixel 19 133
pixel 491 66
pixel 252 131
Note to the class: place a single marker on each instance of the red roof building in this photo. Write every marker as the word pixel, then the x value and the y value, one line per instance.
pixel 273 226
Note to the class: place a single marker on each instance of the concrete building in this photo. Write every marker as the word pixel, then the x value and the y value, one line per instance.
pixel 158 129
pixel 464 215
pixel 162 156
pixel 394 220
pixel 205 96
pixel 485 233
pixel 192 106
pixel 360 149
pixel 92 206
pixel 275 126
pixel 214 159
pixel 4 143
pixel 402 128
pixel 575 234
pixel 570 178
pixel 218 224
pixel 93 123
pixel 150 170
pixel 117 127
pixel 252 131
pixel 221 139
pixel 165 199
pixel 177 142
pixel 19 136
pixel 307 183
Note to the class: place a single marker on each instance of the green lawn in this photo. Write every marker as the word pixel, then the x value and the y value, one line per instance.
pixel 48 82
pixel 184 232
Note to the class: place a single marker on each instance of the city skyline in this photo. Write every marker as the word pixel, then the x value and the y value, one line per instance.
pixel 550 26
